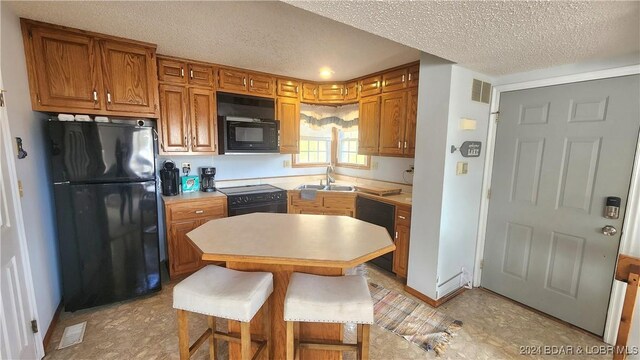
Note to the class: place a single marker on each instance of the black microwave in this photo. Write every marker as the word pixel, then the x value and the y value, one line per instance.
pixel 239 135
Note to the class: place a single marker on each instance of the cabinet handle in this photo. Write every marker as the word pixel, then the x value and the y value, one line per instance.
pixel 185 141
pixel 191 74
pixel 399 144
pixel 403 218
pixel 251 82
pixel 405 144
pixel 95 96
pixel 377 84
pixel 346 91
pixel 342 91
pixel 193 144
pixel 244 81
pixel 199 211
pixel 409 76
pixel 181 71
pixel 108 97
pixel 402 78
pixel 296 89
pixel 396 234
pixel 314 92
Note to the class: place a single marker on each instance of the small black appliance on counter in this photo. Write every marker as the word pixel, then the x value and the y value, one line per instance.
pixel 170 178
pixel 207 176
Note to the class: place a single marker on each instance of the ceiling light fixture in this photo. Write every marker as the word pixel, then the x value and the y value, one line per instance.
pixel 326 72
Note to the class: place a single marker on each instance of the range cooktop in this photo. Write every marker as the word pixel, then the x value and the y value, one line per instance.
pixel 249 189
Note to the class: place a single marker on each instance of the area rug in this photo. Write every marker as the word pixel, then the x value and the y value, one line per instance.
pixel 415 321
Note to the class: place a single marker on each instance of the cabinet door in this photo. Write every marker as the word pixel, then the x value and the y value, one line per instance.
pixel 369 126
pixel 129 75
pixel 172 71
pixel 392 123
pixel 288 112
pixel 65 69
pixel 202 107
pixel 413 76
pixel 200 75
pixel 183 257
pixel 330 92
pixel 351 91
pixel 370 86
pixel 401 254
pixel 394 80
pixel 174 123
pixel 232 80
pixel 411 122
pixel 309 92
pixel 261 84
pixel 287 88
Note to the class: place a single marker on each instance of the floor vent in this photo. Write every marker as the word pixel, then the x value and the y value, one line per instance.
pixel 72 335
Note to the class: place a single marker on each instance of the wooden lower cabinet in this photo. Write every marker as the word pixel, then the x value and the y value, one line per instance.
pixel 402 231
pixel 325 203
pixel 181 218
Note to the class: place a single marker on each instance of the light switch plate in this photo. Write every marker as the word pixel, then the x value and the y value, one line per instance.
pixel 462 168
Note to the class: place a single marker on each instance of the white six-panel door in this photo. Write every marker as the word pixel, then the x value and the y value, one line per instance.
pixel 560 151
pixel 17 309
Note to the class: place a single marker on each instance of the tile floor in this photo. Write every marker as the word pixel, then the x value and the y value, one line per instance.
pixel 494 328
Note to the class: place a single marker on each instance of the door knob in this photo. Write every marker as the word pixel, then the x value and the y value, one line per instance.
pixel 609 230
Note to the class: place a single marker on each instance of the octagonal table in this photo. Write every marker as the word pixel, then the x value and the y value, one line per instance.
pixel 282 244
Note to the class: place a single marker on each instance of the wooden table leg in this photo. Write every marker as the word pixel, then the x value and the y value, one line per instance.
pixel 319 331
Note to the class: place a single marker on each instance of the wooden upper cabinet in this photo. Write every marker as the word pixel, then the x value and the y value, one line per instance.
pixel 369 126
pixel 202 106
pixel 232 80
pixel 129 75
pixel 64 69
pixel 394 80
pixel 261 84
pixel 201 75
pixel 370 86
pixel 309 92
pixel 392 123
pixel 174 121
pixel 413 76
pixel 287 88
pixel 351 91
pixel 410 126
pixel 288 113
pixel 330 92
pixel 172 71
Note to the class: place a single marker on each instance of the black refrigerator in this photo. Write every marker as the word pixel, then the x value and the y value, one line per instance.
pixel 107 219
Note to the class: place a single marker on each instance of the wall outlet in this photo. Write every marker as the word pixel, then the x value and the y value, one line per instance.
pixel 286 163
pixel 187 166
pixel 374 165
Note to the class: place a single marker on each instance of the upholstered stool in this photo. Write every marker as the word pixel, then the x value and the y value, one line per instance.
pixel 327 299
pixel 219 292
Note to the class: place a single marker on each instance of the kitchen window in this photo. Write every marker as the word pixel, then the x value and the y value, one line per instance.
pixel 329 134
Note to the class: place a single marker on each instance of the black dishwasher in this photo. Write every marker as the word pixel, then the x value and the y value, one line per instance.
pixel 379 213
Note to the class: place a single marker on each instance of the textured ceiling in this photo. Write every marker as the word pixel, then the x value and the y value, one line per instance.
pixel 497 38
pixel 266 36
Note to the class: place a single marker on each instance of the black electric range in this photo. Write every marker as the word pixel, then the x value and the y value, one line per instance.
pixel 255 198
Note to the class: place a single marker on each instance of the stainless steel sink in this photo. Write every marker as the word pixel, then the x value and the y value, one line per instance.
pixel 311 187
pixel 340 188
pixel 343 188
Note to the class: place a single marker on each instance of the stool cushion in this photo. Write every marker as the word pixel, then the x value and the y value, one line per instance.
pixel 222 292
pixel 339 299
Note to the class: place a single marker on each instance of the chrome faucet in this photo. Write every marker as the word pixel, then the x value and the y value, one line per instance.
pixel 330 171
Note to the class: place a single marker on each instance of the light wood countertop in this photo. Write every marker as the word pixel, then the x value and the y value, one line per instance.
pixel 191 196
pixel 291 239
pixel 404 199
